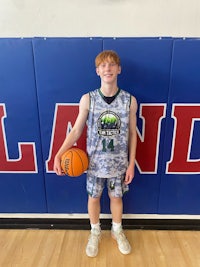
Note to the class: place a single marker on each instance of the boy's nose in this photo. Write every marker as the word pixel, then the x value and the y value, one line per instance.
pixel 108 66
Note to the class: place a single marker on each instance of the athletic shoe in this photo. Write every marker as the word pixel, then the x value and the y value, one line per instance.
pixel 123 244
pixel 93 243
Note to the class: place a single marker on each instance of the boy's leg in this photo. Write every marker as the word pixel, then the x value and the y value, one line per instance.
pixel 94 212
pixel 94 209
pixel 116 208
pixel 94 188
pixel 116 189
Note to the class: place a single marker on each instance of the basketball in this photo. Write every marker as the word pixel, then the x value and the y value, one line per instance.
pixel 74 162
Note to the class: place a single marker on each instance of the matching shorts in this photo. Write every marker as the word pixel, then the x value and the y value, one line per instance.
pixel 116 186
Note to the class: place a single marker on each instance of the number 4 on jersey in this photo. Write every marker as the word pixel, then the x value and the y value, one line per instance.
pixel 109 146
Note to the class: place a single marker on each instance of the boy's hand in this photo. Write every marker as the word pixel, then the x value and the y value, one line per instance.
pixel 129 174
pixel 57 166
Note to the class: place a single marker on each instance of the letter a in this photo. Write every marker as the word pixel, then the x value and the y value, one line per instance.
pixel 64 117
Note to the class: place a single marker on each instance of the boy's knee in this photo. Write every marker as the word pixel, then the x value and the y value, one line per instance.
pixel 115 199
pixel 94 199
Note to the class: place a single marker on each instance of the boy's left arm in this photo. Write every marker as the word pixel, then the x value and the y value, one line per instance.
pixel 132 141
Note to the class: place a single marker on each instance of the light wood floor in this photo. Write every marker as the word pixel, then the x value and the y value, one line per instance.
pixel 66 248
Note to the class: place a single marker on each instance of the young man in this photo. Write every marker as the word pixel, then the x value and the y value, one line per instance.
pixel 110 114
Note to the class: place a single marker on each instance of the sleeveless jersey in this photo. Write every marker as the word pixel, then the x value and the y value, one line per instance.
pixel 107 134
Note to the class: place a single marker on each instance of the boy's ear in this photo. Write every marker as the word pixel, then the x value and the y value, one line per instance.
pixel 97 71
pixel 120 69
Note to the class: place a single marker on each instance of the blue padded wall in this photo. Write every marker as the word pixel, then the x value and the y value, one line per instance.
pixel 64 71
pixel 41 82
pixel 22 189
pixel 145 74
pixel 179 192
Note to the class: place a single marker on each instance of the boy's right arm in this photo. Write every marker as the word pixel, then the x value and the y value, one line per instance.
pixel 75 133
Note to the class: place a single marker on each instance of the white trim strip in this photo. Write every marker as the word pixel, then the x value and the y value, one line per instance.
pixel 102 216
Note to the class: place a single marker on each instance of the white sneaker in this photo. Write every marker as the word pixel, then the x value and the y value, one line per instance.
pixel 93 243
pixel 123 244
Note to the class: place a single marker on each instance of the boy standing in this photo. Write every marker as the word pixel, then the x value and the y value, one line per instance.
pixel 110 114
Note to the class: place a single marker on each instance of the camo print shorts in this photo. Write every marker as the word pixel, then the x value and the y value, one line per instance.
pixel 116 186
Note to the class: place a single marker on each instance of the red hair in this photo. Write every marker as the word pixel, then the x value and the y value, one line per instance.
pixel 107 55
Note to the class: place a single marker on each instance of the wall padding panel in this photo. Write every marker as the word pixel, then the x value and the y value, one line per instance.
pixel 41 82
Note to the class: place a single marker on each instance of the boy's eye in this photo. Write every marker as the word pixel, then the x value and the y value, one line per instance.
pixel 112 64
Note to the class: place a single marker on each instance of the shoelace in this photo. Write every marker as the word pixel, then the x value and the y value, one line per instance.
pixel 121 239
pixel 121 236
pixel 93 240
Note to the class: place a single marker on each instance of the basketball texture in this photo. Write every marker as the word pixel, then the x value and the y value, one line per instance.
pixel 74 162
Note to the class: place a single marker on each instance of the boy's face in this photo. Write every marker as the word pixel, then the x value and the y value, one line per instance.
pixel 108 71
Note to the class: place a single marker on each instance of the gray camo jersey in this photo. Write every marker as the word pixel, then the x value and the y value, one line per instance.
pixel 107 135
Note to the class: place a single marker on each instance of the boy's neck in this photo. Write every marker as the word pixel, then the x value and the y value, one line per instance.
pixel 109 90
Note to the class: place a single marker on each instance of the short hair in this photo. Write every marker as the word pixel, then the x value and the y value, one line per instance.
pixel 107 55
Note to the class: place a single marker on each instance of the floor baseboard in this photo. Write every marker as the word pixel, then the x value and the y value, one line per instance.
pixel 83 224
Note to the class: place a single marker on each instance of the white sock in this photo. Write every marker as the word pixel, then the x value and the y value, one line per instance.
pixel 96 226
pixel 116 226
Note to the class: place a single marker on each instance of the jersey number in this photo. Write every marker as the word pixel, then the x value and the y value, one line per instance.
pixel 110 145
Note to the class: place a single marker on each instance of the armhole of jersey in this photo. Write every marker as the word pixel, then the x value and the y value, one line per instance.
pixel 130 101
pixel 90 100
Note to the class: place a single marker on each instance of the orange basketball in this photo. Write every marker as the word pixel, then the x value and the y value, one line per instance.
pixel 74 162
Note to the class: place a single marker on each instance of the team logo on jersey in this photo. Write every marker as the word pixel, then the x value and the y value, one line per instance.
pixel 109 124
